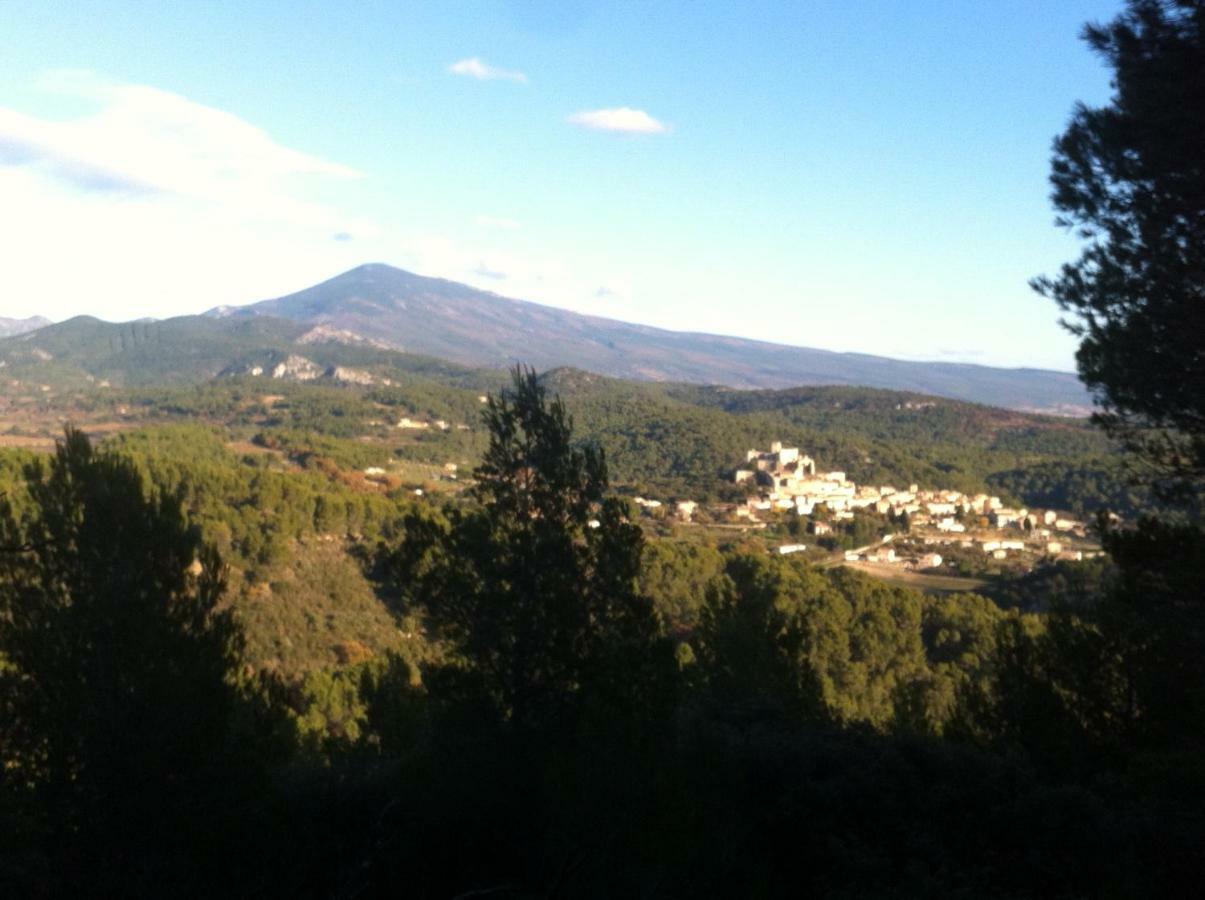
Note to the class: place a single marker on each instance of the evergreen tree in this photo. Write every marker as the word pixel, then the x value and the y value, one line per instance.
pixel 536 589
pixel 1130 178
pixel 114 678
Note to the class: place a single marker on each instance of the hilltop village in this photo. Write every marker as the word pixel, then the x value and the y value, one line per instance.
pixel 918 525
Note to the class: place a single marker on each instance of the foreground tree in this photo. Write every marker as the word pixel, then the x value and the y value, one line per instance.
pixel 535 590
pixel 114 670
pixel 1130 178
pixel 1117 683
pixel 537 742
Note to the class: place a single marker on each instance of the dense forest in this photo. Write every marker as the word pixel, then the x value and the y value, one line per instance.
pixel 367 643
pixel 521 703
pixel 670 441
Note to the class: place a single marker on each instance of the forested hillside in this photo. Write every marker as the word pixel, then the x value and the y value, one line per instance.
pixel 407 676
pixel 672 440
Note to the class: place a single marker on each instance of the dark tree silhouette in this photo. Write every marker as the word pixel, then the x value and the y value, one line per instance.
pixel 536 588
pixel 1130 179
pixel 113 669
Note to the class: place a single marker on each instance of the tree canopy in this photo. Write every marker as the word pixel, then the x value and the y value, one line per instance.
pixel 536 588
pixel 1129 177
pixel 114 664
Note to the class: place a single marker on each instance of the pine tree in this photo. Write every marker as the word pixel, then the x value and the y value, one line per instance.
pixel 535 589
pixel 1129 177
pixel 115 657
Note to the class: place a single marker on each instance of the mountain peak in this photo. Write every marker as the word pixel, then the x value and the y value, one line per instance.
pixel 459 323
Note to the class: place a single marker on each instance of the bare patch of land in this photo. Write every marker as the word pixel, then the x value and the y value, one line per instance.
pixel 934 584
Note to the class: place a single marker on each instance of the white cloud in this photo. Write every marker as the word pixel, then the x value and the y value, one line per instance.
pixel 501 224
pixel 622 119
pixel 147 141
pixel 153 204
pixel 474 67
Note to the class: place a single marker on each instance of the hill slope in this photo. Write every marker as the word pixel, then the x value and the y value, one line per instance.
pixel 452 321
pixel 194 349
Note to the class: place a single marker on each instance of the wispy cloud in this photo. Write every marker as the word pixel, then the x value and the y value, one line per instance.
pixel 498 222
pixel 622 119
pixel 486 272
pixel 148 141
pixel 142 185
pixel 475 67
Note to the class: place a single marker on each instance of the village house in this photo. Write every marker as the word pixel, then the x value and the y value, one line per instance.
pixel 686 509
pixel 1004 517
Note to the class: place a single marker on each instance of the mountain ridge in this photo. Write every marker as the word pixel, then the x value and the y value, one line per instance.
pixel 447 320
pixel 12 327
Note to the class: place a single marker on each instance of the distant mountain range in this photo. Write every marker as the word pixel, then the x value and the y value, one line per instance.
pixel 451 321
pixel 376 323
pixel 9 327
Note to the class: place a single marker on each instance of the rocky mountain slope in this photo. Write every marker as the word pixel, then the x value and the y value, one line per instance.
pixel 452 321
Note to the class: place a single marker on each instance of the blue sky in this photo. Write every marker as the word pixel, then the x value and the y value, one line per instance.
pixel 864 176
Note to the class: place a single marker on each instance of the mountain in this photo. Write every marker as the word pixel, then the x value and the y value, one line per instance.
pixel 9 327
pixel 452 321
pixel 194 349
pixel 669 438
